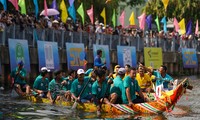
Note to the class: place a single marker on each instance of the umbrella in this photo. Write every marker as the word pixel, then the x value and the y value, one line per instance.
pixel 50 12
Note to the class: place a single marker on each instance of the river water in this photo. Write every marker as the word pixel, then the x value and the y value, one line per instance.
pixel 14 108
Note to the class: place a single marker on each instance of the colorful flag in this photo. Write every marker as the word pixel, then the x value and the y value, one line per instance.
pixel 149 21
pixel 103 15
pixel 114 18
pixel 64 13
pixel 182 26
pixel 157 23
pixel 36 8
pixel 189 28
pixel 71 2
pixel 80 11
pixel 176 24
pixel 4 3
pixel 197 28
pixel 90 14
pixel 121 18
pixel 14 3
pixel 165 2
pixel 22 6
pixel 72 12
pixel 45 7
pixel 141 19
pixel 54 6
pixel 164 21
pixel 132 19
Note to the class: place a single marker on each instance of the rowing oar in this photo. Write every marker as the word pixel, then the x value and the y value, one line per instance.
pixel 79 96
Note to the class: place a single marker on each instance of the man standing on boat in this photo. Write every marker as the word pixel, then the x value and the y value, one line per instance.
pixel 97 60
pixel 41 83
pixel 131 87
pixel 80 88
pixel 56 87
pixel 162 77
pixel 19 76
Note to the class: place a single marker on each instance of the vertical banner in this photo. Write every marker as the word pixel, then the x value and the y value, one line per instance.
pixel 18 50
pixel 105 54
pixel 189 57
pixel 153 57
pixel 75 56
pixel 48 55
pixel 126 55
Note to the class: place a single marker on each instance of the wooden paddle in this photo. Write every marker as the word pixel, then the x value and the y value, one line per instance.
pixel 76 103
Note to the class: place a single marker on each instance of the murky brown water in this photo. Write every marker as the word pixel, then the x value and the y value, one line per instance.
pixel 187 108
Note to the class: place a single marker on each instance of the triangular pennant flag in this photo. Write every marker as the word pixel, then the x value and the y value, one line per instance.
pixel 72 12
pixel 164 21
pixel 54 6
pixel 4 3
pixel 182 26
pixel 64 13
pixel 157 23
pixel 121 18
pixel 114 18
pixel 189 28
pixel 132 19
pixel 80 11
pixel 197 28
pixel 22 6
pixel 176 26
pixel 141 19
pixel 45 7
pixel 149 21
pixel 36 8
pixel 90 14
pixel 15 4
pixel 165 2
pixel 103 15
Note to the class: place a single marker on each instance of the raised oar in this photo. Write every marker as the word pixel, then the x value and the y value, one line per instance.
pixel 76 103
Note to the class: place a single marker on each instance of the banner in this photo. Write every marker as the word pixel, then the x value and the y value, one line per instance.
pixel 126 55
pixel 189 57
pixel 75 56
pixel 153 57
pixel 18 50
pixel 48 55
pixel 105 54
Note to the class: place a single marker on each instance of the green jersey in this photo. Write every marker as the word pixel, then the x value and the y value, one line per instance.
pixel 41 84
pixel 17 79
pixel 99 91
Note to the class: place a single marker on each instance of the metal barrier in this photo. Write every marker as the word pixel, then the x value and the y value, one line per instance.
pixel 88 39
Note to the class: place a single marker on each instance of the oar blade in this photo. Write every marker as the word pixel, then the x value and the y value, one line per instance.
pixel 74 105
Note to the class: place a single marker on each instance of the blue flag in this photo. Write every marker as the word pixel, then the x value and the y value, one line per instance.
pixel 3 2
pixel 149 20
pixel 54 6
pixel 164 21
pixel 72 12
pixel 189 28
pixel 36 8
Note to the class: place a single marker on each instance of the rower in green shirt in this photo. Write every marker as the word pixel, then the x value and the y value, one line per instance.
pixel 41 82
pixel 56 87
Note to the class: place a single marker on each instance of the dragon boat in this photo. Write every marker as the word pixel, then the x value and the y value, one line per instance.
pixel 165 102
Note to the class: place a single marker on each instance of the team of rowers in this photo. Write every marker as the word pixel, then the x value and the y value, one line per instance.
pixel 125 86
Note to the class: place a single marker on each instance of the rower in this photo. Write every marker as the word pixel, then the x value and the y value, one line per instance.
pixel 56 87
pixel 81 85
pixel 127 68
pixel 41 83
pixel 116 70
pixel 19 76
pixel 163 78
pixel 131 88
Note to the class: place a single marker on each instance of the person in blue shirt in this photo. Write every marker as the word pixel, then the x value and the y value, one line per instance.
pixel 19 76
pixel 41 83
pixel 97 60
pixel 162 77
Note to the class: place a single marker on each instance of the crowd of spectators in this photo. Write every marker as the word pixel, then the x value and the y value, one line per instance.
pixel 151 38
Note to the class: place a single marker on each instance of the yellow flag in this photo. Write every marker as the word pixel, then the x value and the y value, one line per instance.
pixel 103 14
pixel 132 19
pixel 64 13
pixel 165 2
pixel 182 26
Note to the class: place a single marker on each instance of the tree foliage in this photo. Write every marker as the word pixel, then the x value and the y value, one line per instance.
pixel 187 9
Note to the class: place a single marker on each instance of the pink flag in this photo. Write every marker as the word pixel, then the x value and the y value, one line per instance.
pixel 90 14
pixel 121 18
pixel 176 24
pixel 197 28
pixel 45 8
pixel 15 4
pixel 141 19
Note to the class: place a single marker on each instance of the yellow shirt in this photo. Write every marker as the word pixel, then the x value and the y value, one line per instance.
pixel 144 82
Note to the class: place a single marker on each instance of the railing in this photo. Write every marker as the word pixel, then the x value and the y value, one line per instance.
pixel 88 39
